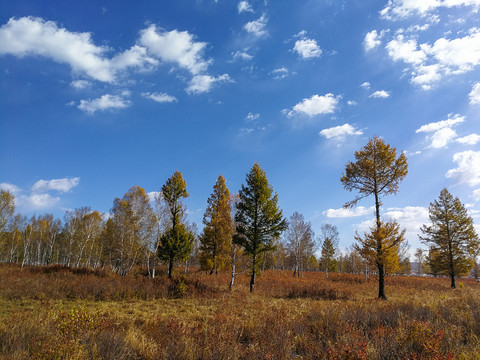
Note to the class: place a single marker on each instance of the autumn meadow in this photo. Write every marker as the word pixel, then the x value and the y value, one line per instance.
pixel 56 312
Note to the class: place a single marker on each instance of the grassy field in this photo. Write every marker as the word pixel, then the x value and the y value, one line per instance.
pixel 60 313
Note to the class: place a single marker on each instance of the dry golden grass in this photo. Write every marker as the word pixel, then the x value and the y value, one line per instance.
pixel 64 314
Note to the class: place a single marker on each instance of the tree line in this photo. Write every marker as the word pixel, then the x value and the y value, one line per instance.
pixel 245 231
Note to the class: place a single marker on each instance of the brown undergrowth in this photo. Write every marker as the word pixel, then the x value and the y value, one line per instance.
pixel 79 314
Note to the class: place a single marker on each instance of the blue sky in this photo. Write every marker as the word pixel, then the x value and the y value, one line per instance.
pixel 98 96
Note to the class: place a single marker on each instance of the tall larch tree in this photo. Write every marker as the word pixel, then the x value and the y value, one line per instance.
pixel 377 171
pixel 177 242
pixel 259 221
pixel 216 239
pixel 451 236
pixel 329 237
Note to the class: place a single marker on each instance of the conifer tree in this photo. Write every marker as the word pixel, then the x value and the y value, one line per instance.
pixel 377 171
pixel 451 236
pixel 259 221
pixel 329 248
pixel 216 240
pixel 177 242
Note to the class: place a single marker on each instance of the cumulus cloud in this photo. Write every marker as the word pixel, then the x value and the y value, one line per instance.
pixel 178 47
pixel 365 85
pixel 350 212
pixel 203 83
pixel 442 138
pixel 252 117
pixel 160 97
pixel 380 94
pixel 103 103
pixel 33 36
pixel 242 54
pixel 372 40
pixel 406 8
pixel 307 48
pixel 39 201
pixel 244 6
pixel 316 105
pixel 431 62
pixel 442 131
pixel 471 139
pixel 475 94
pixel 80 84
pixel 410 217
pixel 39 196
pixel 61 185
pixel 476 195
pixel 153 195
pixel 257 27
pixel 280 73
pixel 10 188
pixel 453 119
pixel 28 36
pixel 340 132
pixel 468 170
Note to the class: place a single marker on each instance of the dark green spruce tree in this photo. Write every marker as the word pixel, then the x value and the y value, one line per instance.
pixel 259 221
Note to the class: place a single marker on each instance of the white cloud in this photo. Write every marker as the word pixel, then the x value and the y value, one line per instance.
pixel 10 188
pixel 352 103
pixel 105 102
pixel 307 48
pixel 380 94
pixel 153 195
pixel 257 27
pixel 252 117
pixel 476 195
pixel 316 105
pixel 80 84
pixel 372 40
pixel 430 63
pixel 442 131
pixel 365 85
pixel 39 201
pixel 203 83
pixel 468 170
pixel 435 126
pixel 280 73
pixel 178 47
pixel 475 94
pixel 160 97
pixel 243 55
pixel 471 139
pixel 410 217
pixel 442 138
pixel 244 6
pixel 340 132
pixel 405 8
pixel 29 36
pixel 135 57
pixel 405 50
pixel 61 185
pixel 350 212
